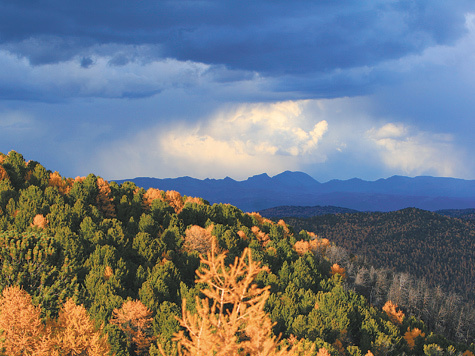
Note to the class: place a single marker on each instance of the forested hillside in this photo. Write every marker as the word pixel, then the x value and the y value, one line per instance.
pixel 303 211
pixel 96 268
pixel 466 214
pixel 427 245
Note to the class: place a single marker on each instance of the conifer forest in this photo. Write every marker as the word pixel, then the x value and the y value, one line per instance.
pixel 91 267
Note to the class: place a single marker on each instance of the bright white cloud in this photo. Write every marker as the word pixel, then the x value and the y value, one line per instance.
pixel 410 152
pixel 238 141
pixel 247 139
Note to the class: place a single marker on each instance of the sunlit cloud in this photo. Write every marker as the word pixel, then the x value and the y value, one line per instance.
pixel 247 139
pixel 337 91
pixel 238 141
pixel 410 152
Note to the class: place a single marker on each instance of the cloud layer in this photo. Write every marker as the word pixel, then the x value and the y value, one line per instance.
pixel 248 139
pixel 215 88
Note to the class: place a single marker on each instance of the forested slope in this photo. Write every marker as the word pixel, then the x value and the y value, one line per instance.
pixel 91 267
pixel 425 244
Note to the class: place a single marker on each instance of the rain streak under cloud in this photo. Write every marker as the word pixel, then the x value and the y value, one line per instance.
pixel 215 89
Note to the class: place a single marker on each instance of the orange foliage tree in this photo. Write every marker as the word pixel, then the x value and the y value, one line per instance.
pixel 63 185
pixel 261 235
pixel 175 200
pixel 135 320
pixel 336 269
pixel 23 332
pixel 74 333
pixel 411 335
pixel 394 315
pixel 193 200
pixel 261 220
pixel 150 195
pixel 315 245
pixel 20 322
pixel 39 221
pixel 104 199
pixel 323 352
pixel 302 247
pixel 231 320
pixel 198 239
pixel 3 173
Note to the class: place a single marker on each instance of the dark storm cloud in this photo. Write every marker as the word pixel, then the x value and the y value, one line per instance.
pixel 271 37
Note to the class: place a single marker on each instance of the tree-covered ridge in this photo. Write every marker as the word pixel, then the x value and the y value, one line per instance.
pixel 303 211
pixel 466 214
pixel 129 256
pixel 427 245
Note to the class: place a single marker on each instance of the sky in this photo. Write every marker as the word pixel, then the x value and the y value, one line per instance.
pixel 209 89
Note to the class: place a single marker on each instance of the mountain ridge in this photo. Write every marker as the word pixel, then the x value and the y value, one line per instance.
pixel 298 188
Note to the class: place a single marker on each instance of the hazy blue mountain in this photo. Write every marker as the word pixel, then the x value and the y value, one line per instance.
pixel 297 188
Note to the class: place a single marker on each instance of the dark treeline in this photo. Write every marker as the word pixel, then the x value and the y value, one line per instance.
pixel 427 245
pixel 467 214
pixel 444 312
pixel 129 258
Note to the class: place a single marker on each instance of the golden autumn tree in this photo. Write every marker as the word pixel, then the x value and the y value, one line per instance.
pixel 175 200
pixel 193 200
pixel 23 332
pixel 135 320
pixel 74 333
pixel 315 245
pixel 260 219
pixel 150 195
pixel 394 315
pixel 242 235
pixel 323 352
pixel 411 335
pixel 20 323
pixel 336 269
pixel 231 319
pixel 39 221
pixel 302 247
pixel 198 239
pixel 284 225
pixel 3 174
pixel 262 237
pixel 63 185
pixel 104 199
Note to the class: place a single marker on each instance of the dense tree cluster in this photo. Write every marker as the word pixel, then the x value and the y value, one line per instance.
pixel 424 244
pixel 123 266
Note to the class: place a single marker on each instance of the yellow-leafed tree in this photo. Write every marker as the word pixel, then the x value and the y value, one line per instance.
pixel 135 320
pixel 198 239
pixel 411 335
pixel 231 320
pixel 394 315
pixel 23 332
pixel 20 322
pixel 74 332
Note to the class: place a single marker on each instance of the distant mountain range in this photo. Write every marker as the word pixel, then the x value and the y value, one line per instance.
pixel 297 188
